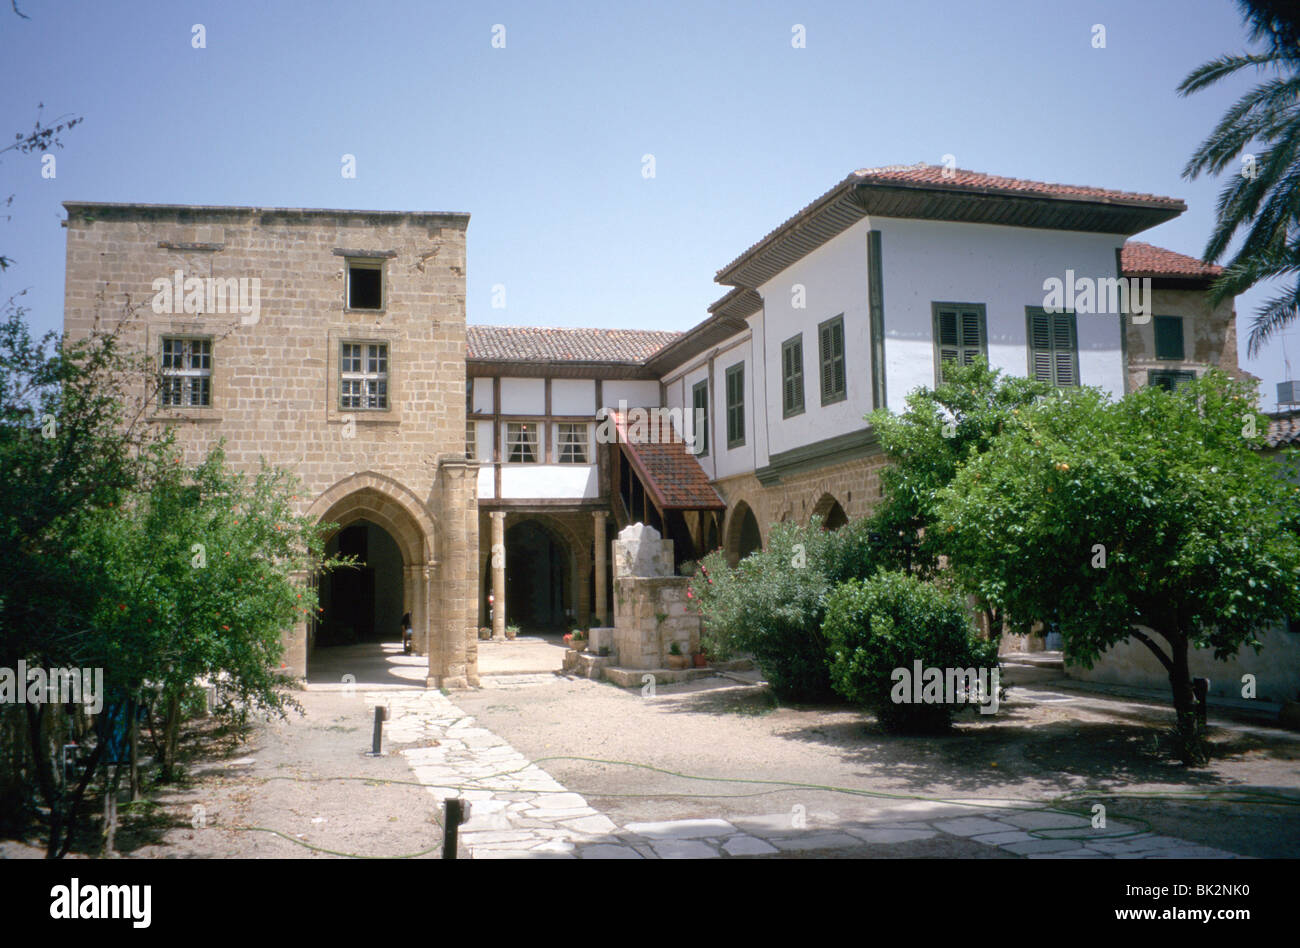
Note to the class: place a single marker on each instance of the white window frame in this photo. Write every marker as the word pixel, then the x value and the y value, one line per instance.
pixel 364 376
pixel 516 435
pixel 471 440
pixel 578 437
pixel 190 381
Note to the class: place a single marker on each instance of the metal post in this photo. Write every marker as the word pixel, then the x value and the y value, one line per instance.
pixel 379 731
pixel 456 813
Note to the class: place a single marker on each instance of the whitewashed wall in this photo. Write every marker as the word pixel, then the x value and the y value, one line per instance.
pixel 1001 267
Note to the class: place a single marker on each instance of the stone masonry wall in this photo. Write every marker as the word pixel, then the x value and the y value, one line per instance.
pixel 275 379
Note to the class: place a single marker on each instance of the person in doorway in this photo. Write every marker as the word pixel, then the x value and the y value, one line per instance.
pixel 408 635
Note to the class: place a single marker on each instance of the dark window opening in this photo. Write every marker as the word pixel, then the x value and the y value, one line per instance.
pixel 365 287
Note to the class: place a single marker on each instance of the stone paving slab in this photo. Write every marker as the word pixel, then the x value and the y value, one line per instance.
pixel 519 811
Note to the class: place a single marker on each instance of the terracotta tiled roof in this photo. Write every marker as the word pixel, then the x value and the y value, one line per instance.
pixel 668 470
pixel 1139 259
pixel 936 192
pixel 941 176
pixel 1283 429
pixel 541 344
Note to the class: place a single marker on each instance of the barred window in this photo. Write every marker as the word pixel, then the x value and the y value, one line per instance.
pixel 363 375
pixel 521 442
pixel 471 440
pixel 573 442
pixel 186 372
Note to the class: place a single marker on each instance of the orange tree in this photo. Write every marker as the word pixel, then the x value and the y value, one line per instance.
pixel 1154 517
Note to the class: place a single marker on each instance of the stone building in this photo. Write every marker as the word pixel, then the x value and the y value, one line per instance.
pixel 353 368
pixel 341 357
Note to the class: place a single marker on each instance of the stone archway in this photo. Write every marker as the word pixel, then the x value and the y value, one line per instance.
pixel 568 556
pixel 376 499
pixel 831 512
pixel 742 535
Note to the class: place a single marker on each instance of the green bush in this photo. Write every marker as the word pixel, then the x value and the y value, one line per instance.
pixel 888 622
pixel 771 604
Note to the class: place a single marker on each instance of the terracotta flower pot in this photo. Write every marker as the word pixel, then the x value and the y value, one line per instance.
pixel 701 660
pixel 677 662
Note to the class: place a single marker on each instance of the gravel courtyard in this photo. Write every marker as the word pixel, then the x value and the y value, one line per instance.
pixel 563 767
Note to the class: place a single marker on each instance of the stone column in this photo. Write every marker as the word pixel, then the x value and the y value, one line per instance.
pixel 600 612
pixel 497 557
pixel 450 659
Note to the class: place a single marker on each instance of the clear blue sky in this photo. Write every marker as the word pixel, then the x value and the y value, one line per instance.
pixel 542 141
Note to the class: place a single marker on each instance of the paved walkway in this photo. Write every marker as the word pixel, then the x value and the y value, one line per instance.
pixel 519 810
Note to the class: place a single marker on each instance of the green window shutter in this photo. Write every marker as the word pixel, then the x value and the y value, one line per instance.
pixel 1169 338
pixel 700 404
pixel 1053 347
pixel 792 376
pixel 959 335
pixel 830 336
pixel 736 405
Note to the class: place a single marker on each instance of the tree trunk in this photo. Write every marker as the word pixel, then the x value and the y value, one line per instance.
pixel 1190 734
pixel 171 732
pixel 133 730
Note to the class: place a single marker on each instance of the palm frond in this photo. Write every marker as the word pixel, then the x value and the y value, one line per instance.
pixel 1209 73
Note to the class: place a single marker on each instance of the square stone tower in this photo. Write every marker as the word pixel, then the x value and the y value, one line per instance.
pixel 329 342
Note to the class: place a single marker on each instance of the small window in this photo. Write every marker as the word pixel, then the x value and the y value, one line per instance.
pixel 792 376
pixel 471 440
pixel 363 376
pixel 960 334
pixel 831 345
pixel 521 442
pixel 186 373
pixel 1053 347
pixel 1169 379
pixel 573 443
pixel 700 416
pixel 736 405
pixel 1169 338
pixel 365 284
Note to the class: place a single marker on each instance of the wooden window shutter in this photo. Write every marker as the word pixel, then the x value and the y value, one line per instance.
pixel 1040 346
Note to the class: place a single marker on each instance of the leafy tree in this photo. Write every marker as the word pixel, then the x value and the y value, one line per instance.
pixel 1153 518
pixel 1263 192
pixel 201 576
pixel 938 431
pixel 875 627
pixel 772 602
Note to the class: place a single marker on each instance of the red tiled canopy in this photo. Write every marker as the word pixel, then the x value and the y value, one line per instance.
pixel 670 473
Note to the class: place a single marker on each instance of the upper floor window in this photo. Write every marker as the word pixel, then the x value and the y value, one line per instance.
pixel 363 375
pixel 365 284
pixel 736 405
pixel 831 345
pixel 186 372
pixel 471 440
pixel 960 334
pixel 521 442
pixel 573 443
pixel 1053 346
pixel 700 416
pixel 1169 338
pixel 792 376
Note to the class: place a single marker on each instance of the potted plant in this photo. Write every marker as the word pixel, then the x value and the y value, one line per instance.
pixel 701 658
pixel 676 660
pixel 575 640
